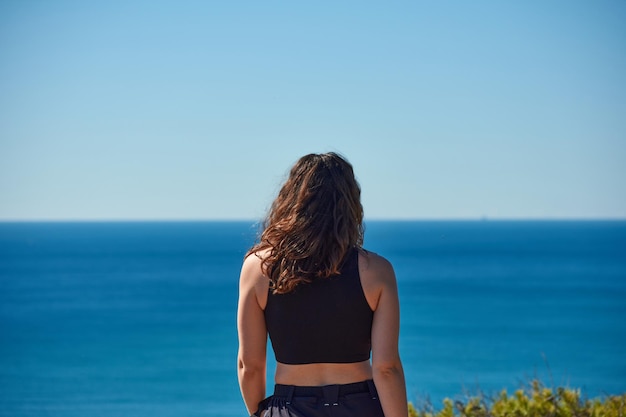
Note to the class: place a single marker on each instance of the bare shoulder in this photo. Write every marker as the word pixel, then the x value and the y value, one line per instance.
pixel 251 267
pixel 375 266
pixel 376 274
pixel 253 279
pixel 254 261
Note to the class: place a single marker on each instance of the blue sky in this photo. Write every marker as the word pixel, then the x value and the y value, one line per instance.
pixel 196 110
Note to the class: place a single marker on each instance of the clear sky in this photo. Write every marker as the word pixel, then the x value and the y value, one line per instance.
pixel 197 109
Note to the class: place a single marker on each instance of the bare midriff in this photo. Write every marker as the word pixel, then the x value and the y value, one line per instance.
pixel 318 374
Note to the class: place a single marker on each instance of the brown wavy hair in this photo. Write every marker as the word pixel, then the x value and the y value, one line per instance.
pixel 312 224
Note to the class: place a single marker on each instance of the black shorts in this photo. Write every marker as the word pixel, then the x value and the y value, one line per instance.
pixel 348 400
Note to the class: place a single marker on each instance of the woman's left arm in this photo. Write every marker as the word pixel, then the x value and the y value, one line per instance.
pixel 251 358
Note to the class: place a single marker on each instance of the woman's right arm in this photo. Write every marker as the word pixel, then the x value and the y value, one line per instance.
pixel 386 365
pixel 252 335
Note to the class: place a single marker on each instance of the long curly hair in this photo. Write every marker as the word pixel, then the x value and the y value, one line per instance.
pixel 312 224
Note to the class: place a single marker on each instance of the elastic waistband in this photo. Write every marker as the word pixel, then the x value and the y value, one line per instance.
pixel 330 393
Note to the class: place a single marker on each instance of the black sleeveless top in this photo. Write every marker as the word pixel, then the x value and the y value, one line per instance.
pixel 325 321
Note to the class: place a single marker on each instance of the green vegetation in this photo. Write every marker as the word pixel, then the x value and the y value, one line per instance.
pixel 534 401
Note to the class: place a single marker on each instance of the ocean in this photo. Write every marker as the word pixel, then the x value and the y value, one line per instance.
pixel 138 318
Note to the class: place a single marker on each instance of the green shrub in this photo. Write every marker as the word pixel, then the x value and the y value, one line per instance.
pixel 534 401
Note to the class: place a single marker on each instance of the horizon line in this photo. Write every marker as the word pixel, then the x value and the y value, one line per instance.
pixel 259 220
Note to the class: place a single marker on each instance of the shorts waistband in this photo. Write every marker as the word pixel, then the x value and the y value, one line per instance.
pixel 330 393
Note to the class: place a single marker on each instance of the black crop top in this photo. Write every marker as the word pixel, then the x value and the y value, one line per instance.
pixel 325 321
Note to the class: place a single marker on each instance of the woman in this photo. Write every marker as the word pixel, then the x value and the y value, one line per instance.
pixel 324 301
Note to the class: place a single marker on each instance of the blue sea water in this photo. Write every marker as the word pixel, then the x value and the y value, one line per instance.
pixel 138 319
